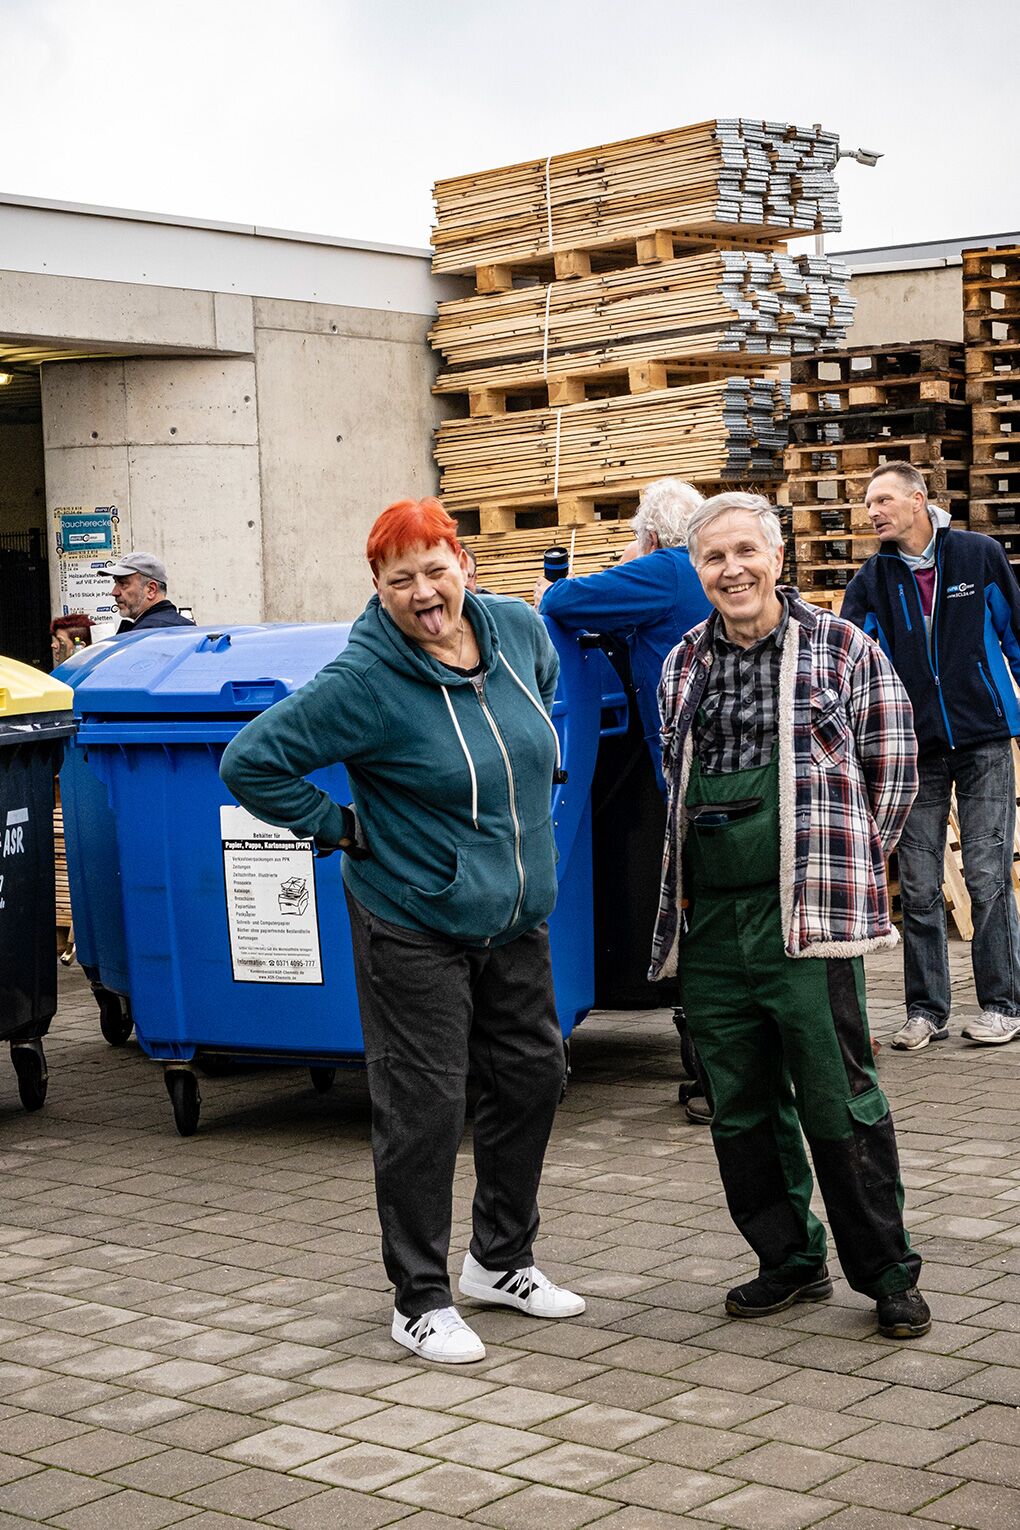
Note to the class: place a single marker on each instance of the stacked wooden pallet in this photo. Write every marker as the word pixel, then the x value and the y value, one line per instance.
pixel 851 412
pixel 564 460
pixel 732 179
pixel 991 327
pixel 509 562
pixel 712 314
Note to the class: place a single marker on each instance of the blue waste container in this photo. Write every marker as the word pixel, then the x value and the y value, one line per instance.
pixel 93 861
pixel 236 938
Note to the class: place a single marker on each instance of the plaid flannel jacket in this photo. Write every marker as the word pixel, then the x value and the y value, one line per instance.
pixel 847 778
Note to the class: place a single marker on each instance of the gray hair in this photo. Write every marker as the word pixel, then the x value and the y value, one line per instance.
pixel 721 504
pixel 664 510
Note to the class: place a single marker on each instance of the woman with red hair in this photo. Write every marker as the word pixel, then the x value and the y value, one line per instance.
pixel 439 707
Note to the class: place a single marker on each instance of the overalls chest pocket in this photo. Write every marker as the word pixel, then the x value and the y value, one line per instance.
pixel 830 731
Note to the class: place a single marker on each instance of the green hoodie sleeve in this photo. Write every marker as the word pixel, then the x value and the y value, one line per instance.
pixel 332 718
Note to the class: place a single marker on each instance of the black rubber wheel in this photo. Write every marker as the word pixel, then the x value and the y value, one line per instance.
pixel 182 1087
pixel 115 1024
pixel 565 1085
pixel 30 1066
pixel 323 1079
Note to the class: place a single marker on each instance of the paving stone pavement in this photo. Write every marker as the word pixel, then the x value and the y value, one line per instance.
pixel 195 1332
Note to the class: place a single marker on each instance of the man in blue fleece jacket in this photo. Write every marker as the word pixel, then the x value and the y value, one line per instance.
pixel 648 601
pixel 945 607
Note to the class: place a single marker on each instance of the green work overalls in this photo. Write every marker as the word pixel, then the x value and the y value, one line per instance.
pixel 785 1044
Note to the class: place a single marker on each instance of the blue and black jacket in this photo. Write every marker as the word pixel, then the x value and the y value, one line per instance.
pixel 959 687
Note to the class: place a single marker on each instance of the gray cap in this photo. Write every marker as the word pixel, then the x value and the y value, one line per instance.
pixel 146 564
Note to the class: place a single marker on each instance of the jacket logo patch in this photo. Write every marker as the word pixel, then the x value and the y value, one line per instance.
pixel 957 591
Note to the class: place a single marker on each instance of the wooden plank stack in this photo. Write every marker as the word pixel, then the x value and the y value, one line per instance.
pixel 722 312
pixel 851 411
pixel 991 327
pixel 733 180
pixel 633 302
pixel 725 430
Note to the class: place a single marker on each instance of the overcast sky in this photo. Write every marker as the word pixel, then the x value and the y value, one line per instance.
pixel 336 116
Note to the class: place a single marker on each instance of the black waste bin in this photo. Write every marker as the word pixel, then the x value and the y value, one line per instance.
pixel 35 723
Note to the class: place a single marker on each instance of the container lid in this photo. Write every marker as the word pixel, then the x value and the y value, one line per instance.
pixel 24 689
pixel 199 671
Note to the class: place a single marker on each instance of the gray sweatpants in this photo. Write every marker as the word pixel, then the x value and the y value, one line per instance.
pixel 431 1011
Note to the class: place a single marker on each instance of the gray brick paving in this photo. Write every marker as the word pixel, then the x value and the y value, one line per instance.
pixel 195 1332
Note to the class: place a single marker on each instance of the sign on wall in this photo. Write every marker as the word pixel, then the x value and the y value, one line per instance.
pixel 87 540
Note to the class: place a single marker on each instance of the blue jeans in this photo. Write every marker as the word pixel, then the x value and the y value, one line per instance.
pixel 986 803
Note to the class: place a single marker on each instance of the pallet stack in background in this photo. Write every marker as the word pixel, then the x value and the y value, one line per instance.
pixel 633 301
pixel 851 411
pixel 991 329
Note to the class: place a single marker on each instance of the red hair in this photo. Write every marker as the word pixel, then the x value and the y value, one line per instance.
pixel 406 524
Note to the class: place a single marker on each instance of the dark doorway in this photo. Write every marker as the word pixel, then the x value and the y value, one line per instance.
pixel 24 598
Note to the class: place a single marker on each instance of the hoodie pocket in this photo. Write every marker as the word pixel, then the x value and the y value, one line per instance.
pixel 479 901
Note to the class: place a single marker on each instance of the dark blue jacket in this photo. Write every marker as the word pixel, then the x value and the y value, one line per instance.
pixel 163 614
pixel 961 690
pixel 648 603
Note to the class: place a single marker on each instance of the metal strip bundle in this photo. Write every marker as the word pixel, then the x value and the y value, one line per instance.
pixel 767 179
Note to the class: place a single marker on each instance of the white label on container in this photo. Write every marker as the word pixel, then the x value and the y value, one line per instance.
pixel 271 910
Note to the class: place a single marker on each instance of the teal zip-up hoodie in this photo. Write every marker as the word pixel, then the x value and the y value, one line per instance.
pixel 452 782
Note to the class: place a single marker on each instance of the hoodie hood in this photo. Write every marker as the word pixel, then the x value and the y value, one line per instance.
pixel 376 634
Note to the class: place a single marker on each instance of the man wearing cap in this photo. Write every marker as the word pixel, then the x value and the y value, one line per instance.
pixel 139 590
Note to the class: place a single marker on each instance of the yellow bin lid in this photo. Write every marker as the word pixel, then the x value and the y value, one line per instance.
pixel 24 689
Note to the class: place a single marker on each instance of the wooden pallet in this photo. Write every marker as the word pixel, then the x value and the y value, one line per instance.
pixel 612 379
pixel 856 457
pixel 712 181
pixel 947 485
pixel 649 250
pixel 880 366
pixel 877 426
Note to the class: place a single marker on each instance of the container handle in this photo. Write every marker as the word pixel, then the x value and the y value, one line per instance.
pixel 248 694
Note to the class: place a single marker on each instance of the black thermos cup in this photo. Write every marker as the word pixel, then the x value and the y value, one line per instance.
pixel 556 563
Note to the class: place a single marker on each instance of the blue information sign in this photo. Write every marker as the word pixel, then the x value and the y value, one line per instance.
pixel 90 532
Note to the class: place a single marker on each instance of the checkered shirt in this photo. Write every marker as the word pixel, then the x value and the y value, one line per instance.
pixel 847 778
pixel 735 725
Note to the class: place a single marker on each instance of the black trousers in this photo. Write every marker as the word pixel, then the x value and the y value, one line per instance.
pixel 431 1011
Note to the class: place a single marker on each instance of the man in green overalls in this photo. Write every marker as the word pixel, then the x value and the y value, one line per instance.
pixel 791 761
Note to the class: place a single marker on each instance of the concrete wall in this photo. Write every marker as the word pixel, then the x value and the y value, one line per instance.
pixel 174 445
pixel 256 477
pixel 345 427
pixel 896 307
pixel 22 484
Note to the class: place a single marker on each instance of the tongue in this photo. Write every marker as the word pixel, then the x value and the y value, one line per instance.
pixel 432 620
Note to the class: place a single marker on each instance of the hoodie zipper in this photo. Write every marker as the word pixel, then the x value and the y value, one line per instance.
pixel 518 859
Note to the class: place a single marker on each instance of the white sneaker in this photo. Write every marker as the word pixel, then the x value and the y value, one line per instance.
pixel 528 1290
pixel 918 1031
pixel 992 1029
pixel 441 1335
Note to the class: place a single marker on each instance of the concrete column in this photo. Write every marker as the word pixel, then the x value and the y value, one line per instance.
pixel 173 443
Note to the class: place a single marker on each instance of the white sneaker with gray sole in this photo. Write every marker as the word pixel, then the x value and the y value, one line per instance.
pixel 992 1029
pixel 917 1032
pixel 527 1290
pixel 441 1335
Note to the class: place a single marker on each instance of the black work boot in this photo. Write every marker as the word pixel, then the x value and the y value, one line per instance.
pixel 904 1315
pixel 774 1293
